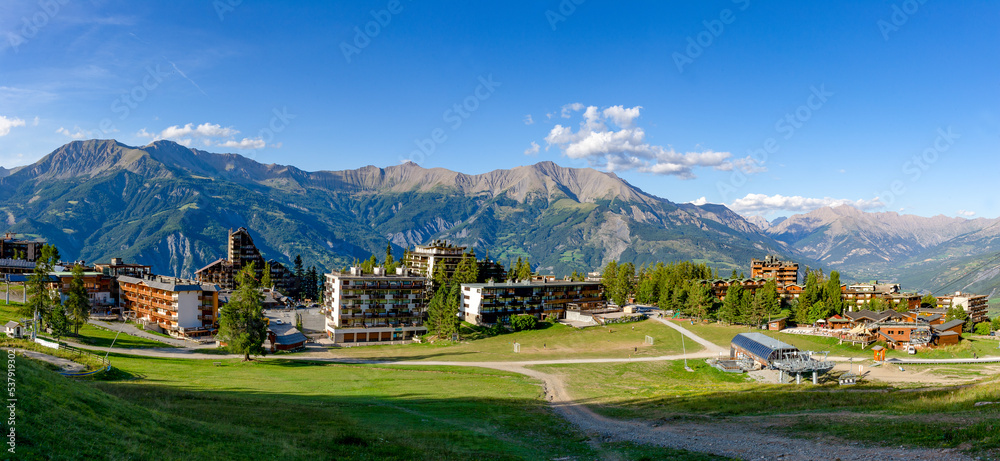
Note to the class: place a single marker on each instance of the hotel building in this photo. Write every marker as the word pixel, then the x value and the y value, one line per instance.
pixel 182 308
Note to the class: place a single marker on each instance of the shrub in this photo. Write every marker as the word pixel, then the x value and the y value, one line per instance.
pixel 983 328
pixel 523 322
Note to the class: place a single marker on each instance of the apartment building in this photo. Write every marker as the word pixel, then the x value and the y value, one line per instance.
pixel 241 252
pixel 118 268
pixel 858 295
pixel 975 305
pixel 375 307
pixel 784 273
pixel 489 303
pixel 14 248
pixel 423 259
pixel 182 308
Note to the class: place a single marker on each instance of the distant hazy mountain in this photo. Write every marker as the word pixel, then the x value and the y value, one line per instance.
pixel 923 253
pixel 171 206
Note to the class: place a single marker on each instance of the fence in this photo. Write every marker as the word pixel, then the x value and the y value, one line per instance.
pixel 105 365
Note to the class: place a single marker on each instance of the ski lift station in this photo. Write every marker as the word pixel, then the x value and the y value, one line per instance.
pixel 757 351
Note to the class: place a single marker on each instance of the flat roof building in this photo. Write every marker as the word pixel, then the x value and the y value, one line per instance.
pixel 975 305
pixel 14 248
pixel 376 307
pixel 489 303
pixel 423 259
pixel 183 308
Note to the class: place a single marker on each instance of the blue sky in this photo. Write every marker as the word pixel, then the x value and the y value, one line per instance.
pixel 771 108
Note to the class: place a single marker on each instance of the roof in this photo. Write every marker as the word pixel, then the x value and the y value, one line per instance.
pixel 948 325
pixel 863 313
pixel 761 345
pixel 8 262
pixel 777 320
pixel 217 261
pixel 20 278
pixel 168 283
pixel 12 324
pixel 286 334
pixel 947 333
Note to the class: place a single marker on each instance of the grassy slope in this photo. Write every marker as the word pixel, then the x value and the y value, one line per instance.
pixel 553 342
pixel 89 334
pixel 273 409
pixel 665 391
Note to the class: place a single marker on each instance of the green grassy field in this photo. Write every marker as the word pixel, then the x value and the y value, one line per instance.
pixel 275 409
pixel 554 342
pixel 664 391
pixel 723 335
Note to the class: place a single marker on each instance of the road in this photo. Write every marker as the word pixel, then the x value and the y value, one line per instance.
pixel 742 437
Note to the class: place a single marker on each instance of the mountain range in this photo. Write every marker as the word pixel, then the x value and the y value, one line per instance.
pixel 170 206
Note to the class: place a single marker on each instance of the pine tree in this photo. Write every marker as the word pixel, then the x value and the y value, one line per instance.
pixel 299 272
pixel 700 301
pixel 311 280
pixel 524 272
pixel 435 312
pixel 390 264
pixel 77 302
pixel 241 321
pixel 730 311
pixel 58 322
pixel 832 298
pixel 265 278
pixel 40 303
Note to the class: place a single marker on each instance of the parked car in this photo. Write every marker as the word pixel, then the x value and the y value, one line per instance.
pixel 279 322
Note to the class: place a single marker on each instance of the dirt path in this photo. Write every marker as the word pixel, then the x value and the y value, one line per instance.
pixel 66 364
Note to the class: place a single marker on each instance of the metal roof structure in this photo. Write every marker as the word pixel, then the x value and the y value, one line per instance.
pixel 764 347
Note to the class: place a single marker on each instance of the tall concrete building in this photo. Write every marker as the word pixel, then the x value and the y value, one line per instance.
pixel 376 307
pixel 241 252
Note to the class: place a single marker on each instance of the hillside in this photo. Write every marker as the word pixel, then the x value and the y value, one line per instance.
pixel 170 206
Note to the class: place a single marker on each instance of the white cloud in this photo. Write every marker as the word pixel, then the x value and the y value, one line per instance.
pixel 35 121
pixel 245 143
pixel 622 117
pixel 568 109
pixel 209 133
pixel 762 204
pixel 625 148
pixel 966 213
pixel 533 150
pixel 528 120
pixel 701 201
pixel 77 132
pixel 7 123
